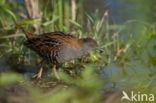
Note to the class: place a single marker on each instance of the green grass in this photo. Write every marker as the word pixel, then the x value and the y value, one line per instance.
pixel 127 54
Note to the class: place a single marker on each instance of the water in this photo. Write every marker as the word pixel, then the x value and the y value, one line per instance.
pixel 120 11
pixel 124 10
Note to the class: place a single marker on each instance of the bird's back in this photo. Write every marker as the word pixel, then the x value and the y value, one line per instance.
pixel 55 47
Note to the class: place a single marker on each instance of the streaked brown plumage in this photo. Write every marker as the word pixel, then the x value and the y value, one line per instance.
pixel 58 47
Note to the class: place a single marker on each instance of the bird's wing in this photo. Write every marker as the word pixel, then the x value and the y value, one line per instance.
pixel 45 47
pixel 55 48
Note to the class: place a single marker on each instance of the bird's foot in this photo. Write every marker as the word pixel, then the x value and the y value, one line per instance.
pixel 37 77
pixel 55 74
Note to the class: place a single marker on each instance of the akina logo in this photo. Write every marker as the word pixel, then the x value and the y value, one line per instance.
pixel 137 96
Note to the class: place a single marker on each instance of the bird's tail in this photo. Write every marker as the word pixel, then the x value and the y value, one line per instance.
pixel 27 34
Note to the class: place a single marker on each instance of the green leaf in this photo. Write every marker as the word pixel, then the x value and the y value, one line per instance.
pixel 75 23
pixel 50 22
pixel 8 78
pixel 12 14
pixel 2 2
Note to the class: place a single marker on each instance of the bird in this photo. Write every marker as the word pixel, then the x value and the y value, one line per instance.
pixel 58 47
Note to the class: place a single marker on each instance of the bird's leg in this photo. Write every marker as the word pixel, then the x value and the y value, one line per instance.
pixel 54 72
pixel 39 74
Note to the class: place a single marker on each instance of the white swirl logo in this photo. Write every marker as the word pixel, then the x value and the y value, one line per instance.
pixel 137 96
pixel 125 96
